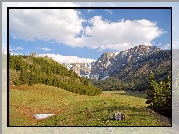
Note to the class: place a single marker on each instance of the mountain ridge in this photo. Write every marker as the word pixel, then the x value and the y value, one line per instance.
pixel 134 76
pixel 110 61
pixel 127 69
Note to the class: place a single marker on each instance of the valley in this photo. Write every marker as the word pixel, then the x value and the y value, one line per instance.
pixel 136 82
pixel 70 108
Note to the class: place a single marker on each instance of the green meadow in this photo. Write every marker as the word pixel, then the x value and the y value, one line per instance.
pixel 72 109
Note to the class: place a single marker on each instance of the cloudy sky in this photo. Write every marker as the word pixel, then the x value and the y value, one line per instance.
pixel 82 35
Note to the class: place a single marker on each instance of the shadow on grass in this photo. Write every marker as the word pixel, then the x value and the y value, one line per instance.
pixel 139 95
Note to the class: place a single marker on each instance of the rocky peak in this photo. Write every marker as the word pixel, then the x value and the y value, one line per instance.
pixel 107 55
pixel 80 68
pixel 110 61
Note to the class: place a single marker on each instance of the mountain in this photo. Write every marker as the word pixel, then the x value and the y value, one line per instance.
pixel 127 69
pixel 121 59
pixel 110 61
pixel 82 69
pixel 101 65
pixel 134 75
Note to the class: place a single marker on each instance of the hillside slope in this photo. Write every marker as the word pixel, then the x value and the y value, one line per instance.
pixel 43 70
pixel 134 75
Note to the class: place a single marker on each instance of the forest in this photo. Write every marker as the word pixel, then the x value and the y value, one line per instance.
pixel 43 70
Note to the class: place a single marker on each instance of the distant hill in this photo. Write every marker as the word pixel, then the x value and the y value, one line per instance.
pixel 34 69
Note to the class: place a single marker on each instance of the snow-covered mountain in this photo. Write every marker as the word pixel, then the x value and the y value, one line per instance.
pixel 108 62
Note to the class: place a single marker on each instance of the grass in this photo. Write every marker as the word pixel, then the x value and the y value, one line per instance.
pixel 78 110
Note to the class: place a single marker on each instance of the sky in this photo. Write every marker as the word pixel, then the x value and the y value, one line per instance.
pixel 82 35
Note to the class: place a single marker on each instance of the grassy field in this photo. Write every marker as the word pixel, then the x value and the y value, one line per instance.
pixel 78 110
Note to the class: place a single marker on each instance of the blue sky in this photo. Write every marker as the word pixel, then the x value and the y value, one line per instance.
pixel 92 33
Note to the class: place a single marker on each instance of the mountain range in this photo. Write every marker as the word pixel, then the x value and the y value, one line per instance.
pixel 127 69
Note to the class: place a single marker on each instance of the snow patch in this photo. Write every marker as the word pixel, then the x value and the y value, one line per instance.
pixel 105 77
pixel 116 53
pixel 42 116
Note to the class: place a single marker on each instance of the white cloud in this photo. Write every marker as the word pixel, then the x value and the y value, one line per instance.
pixel 45 49
pixel 109 11
pixel 45 24
pixel 159 44
pixel 18 48
pixel 12 49
pixel 121 35
pixel 90 10
pixel 101 34
pixel 52 42
pixel 31 4
pixel 68 59
pixel 166 47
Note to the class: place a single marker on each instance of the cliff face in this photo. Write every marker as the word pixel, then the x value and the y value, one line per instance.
pixel 82 69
